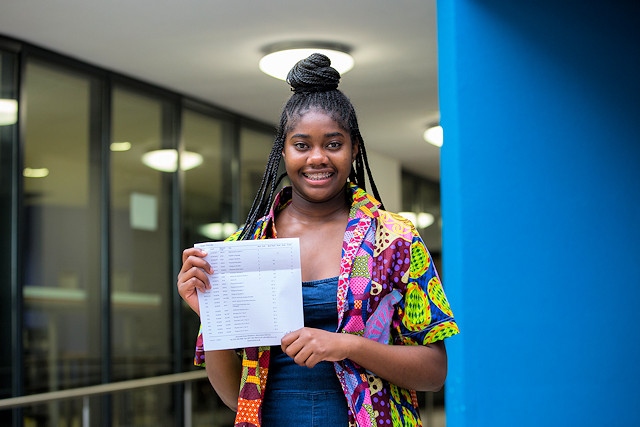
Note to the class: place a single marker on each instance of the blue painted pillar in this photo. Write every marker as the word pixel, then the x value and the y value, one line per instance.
pixel 540 104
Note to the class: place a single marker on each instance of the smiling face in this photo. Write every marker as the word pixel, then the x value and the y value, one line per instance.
pixel 318 154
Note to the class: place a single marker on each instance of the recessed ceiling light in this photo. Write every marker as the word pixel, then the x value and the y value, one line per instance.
pixel 166 160
pixel 419 219
pixel 120 146
pixel 424 219
pixel 218 230
pixel 8 111
pixel 434 135
pixel 281 57
pixel 35 172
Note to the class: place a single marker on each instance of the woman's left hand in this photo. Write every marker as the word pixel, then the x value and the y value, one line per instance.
pixel 310 346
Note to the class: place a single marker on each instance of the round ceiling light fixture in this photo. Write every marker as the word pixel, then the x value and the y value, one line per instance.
pixel 218 230
pixel 35 172
pixel 166 160
pixel 120 146
pixel 434 135
pixel 279 58
pixel 419 219
pixel 8 112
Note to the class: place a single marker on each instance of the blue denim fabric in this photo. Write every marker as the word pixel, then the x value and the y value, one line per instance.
pixel 299 396
pixel 305 409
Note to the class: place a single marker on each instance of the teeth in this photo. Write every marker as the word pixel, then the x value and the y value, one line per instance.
pixel 323 175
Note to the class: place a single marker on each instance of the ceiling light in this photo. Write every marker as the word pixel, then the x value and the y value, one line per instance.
pixel 35 172
pixel 167 160
pixel 420 219
pixel 424 219
pixel 120 146
pixel 434 135
pixel 281 57
pixel 218 230
pixel 8 111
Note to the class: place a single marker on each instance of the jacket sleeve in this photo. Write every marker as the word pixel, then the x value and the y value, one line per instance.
pixel 424 313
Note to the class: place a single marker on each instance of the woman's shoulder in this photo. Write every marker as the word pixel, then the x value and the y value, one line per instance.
pixel 395 221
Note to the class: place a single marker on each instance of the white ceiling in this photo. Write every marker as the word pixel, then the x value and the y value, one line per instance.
pixel 209 49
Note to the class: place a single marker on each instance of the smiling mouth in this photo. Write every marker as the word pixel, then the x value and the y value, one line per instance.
pixel 317 176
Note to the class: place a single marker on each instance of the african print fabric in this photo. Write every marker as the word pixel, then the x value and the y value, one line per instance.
pixel 388 291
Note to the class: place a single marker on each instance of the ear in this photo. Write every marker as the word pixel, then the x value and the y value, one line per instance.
pixel 355 147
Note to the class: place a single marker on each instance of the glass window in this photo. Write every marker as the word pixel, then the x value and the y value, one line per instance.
pixel 61 240
pixel 142 164
pixel 141 282
pixel 207 213
pixel 255 147
pixel 8 143
pixel 421 203
pixel 88 211
pixel 207 216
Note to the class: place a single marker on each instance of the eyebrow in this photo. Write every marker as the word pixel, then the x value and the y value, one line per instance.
pixel 326 135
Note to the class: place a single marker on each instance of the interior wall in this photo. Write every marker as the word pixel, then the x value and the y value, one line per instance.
pixel 540 182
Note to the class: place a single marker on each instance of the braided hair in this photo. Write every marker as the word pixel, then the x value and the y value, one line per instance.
pixel 315 86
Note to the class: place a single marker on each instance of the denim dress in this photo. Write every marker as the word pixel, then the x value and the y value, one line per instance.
pixel 300 396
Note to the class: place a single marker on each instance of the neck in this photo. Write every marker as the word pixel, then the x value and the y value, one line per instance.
pixel 306 211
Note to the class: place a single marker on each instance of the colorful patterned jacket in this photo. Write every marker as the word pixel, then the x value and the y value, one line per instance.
pixel 388 291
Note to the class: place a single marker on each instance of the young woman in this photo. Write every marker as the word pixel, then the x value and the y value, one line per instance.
pixel 374 309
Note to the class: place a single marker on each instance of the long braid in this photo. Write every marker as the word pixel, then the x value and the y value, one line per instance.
pixel 315 86
pixel 365 161
pixel 264 197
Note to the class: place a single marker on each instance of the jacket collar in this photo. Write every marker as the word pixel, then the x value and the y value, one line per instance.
pixel 362 205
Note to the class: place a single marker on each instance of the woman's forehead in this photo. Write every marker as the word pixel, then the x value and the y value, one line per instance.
pixel 294 119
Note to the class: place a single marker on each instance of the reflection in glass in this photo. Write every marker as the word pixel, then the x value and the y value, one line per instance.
pixel 140 247
pixel 421 198
pixel 255 147
pixel 206 202
pixel 204 192
pixel 93 218
pixel 9 367
pixel 60 245
pixel 8 111
pixel 141 286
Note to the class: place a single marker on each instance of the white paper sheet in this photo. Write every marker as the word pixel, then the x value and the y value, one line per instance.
pixel 256 293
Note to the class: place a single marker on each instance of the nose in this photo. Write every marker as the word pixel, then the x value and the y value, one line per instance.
pixel 317 156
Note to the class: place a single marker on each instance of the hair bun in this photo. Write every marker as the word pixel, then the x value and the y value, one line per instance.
pixel 313 74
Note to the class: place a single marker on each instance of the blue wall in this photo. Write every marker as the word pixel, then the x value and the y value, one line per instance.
pixel 540 102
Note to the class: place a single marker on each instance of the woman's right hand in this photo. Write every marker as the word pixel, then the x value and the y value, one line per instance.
pixel 192 276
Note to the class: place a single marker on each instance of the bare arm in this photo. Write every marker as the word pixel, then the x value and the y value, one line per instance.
pixel 223 366
pixel 418 367
pixel 224 372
